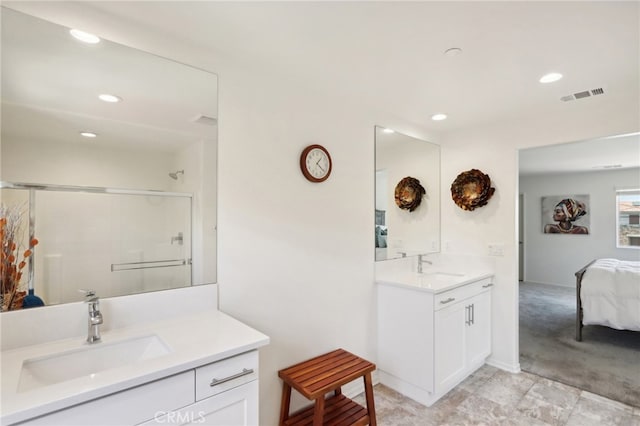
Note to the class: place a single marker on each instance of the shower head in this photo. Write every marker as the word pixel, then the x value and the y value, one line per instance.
pixel 175 174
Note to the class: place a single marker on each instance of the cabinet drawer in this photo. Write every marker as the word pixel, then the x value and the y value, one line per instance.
pixel 450 297
pixel 226 374
pixel 127 407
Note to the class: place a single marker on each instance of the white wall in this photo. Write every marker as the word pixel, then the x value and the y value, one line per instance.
pixel 295 258
pixel 554 258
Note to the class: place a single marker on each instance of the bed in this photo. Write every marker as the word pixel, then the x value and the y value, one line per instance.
pixel 608 293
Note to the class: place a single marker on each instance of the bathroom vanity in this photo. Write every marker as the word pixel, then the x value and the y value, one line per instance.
pixel 199 366
pixel 434 329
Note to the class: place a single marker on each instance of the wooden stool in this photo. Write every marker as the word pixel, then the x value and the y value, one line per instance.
pixel 318 376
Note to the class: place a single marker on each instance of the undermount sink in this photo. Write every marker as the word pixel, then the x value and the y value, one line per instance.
pixel 88 361
pixel 428 279
pixel 440 275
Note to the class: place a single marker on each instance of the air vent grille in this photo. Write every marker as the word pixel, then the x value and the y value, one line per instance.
pixel 583 94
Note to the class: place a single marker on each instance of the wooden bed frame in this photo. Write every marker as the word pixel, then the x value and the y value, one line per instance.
pixel 579 275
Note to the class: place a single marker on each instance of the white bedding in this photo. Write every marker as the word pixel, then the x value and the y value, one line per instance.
pixel 610 294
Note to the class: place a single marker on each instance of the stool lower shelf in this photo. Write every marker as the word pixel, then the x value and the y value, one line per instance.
pixel 338 411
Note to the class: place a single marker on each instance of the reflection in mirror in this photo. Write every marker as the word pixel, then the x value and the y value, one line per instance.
pixel 130 210
pixel 400 232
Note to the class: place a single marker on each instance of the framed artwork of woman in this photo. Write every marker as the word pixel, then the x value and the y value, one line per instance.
pixel 565 214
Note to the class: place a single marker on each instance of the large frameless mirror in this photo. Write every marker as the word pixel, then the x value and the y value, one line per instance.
pixel 407 220
pixel 120 194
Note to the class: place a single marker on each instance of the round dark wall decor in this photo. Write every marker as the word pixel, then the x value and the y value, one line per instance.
pixel 409 193
pixel 471 189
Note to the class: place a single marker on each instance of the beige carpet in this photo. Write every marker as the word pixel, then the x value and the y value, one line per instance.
pixel 606 362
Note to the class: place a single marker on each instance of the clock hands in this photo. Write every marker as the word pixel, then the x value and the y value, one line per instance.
pixel 318 164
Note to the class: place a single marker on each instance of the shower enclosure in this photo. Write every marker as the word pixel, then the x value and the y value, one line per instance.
pixel 114 241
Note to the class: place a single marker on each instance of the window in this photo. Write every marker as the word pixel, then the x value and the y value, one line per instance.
pixel 628 218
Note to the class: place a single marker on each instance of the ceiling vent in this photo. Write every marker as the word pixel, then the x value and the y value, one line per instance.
pixel 203 119
pixel 583 94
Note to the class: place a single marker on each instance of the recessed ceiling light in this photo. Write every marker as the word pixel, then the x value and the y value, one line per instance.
pixel 388 131
pixel 88 134
pixel 84 36
pixel 439 117
pixel 454 51
pixel 110 98
pixel 551 77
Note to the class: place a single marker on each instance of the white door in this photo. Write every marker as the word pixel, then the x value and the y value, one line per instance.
pixel 521 237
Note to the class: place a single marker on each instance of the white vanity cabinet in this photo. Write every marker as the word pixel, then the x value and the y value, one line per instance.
pixel 222 393
pixel 430 339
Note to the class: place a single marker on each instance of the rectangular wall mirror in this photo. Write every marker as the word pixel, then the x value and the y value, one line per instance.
pixel 120 195
pixel 413 227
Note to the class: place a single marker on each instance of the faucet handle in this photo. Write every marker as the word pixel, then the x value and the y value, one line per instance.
pixel 89 295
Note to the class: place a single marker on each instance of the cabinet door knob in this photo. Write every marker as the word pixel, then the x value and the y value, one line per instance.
pixel 487 285
pixel 244 372
pixel 451 299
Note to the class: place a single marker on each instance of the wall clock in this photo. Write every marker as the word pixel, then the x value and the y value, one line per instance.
pixel 315 163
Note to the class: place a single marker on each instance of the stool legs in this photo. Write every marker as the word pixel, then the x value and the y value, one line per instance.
pixel 286 400
pixel 318 414
pixel 368 392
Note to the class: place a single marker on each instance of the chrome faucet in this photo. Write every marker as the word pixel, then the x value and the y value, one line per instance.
pixel 95 316
pixel 421 261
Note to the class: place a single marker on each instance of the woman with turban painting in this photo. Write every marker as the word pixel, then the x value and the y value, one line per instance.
pixel 565 213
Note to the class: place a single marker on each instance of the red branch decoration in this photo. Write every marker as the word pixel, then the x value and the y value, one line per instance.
pixel 11 266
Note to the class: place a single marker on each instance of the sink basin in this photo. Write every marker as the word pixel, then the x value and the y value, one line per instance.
pixel 88 361
pixel 433 280
pixel 442 275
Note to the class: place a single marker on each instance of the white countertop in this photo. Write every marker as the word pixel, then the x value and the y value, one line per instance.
pixel 194 340
pixel 433 281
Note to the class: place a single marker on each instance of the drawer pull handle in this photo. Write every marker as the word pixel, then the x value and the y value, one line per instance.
pixel 451 299
pixel 487 285
pixel 244 372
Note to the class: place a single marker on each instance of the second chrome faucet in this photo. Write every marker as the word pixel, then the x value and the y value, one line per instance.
pixel 422 260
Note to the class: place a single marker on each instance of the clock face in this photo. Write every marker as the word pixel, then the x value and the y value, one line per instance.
pixel 315 163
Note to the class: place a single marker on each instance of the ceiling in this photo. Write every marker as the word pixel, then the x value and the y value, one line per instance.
pixel 390 56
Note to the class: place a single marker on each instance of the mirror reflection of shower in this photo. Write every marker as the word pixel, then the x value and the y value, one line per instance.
pixel 175 174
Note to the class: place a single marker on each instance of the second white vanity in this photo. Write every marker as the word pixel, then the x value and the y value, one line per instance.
pixel 434 329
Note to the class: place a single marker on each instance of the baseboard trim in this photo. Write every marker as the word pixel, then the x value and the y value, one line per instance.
pixel 511 368
pixel 525 282
pixel 356 387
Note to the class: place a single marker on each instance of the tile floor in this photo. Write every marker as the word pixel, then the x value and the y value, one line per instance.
pixel 494 397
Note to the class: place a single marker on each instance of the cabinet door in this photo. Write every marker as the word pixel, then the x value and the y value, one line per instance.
pixel 234 407
pixel 479 329
pixel 450 344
